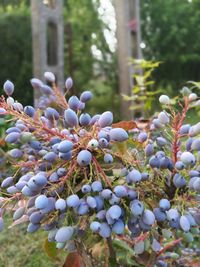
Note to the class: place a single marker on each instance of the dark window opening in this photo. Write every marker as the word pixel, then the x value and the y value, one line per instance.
pixel 52 43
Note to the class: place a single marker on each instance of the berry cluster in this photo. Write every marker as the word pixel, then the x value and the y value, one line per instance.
pixel 75 175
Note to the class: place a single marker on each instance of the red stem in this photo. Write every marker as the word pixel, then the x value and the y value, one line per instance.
pixel 100 170
pixel 169 246
pixel 178 121
pixel 71 169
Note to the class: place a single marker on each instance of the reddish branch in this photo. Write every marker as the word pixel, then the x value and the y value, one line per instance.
pixel 134 241
pixel 169 246
pixel 101 171
pixel 61 100
pixel 31 122
pixel 71 170
pixel 177 123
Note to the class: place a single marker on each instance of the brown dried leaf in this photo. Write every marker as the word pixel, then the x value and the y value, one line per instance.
pixel 2 142
pixel 126 125
pixel 97 250
pixel 73 260
pixel 143 124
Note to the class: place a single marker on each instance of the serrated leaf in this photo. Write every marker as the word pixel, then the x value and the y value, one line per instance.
pixel 123 245
pixel 50 249
pixel 196 84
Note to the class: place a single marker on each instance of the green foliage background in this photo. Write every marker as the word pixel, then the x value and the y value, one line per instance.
pixel 170 30
pixel 80 22
pixel 15 50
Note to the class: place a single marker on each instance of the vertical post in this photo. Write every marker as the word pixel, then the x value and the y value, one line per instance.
pixel 129 38
pixel 47 39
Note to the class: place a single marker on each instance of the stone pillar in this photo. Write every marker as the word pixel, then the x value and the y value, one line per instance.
pixel 47 39
pixel 128 46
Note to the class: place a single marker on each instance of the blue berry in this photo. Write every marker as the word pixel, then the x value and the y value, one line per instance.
pixel 84 158
pixel 142 137
pixel 134 176
pixel 41 202
pixel 118 227
pixel 91 201
pixel 148 217
pixel 60 204
pixel 96 186
pixel 71 117
pixel 86 96
pixel 65 146
pixel 29 110
pixel 74 102
pixel 106 194
pixel 120 191
pixel 149 150
pixel 164 204
pixel 118 134
pixel 115 212
pixel 84 119
pixel 12 137
pixel 95 226
pixel 108 158
pixel 69 83
pixel 8 88
pixel 163 117
pixel 187 158
pixel 73 201
pixel 64 234
pixel 105 119
pixel 160 215
pixel 1 224
pixel 136 207
pixel 184 223
pixel 105 230
pixel 86 188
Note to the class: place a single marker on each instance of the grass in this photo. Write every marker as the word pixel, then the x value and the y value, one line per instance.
pixel 20 249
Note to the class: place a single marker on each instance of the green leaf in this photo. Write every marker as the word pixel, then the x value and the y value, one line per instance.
pixel 136 89
pixel 154 92
pixel 123 245
pixel 136 107
pixel 128 98
pixel 196 84
pixel 50 249
pixel 112 262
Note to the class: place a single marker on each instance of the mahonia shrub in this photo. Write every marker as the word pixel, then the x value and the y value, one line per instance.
pixel 110 194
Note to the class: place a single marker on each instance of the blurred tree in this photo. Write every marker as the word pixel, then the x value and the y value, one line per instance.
pixel 15 48
pixel 84 31
pixel 170 32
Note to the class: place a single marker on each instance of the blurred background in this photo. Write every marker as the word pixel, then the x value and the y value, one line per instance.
pixel 126 52
pixel 99 37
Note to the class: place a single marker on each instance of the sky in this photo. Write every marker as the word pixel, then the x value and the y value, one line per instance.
pixel 107 14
